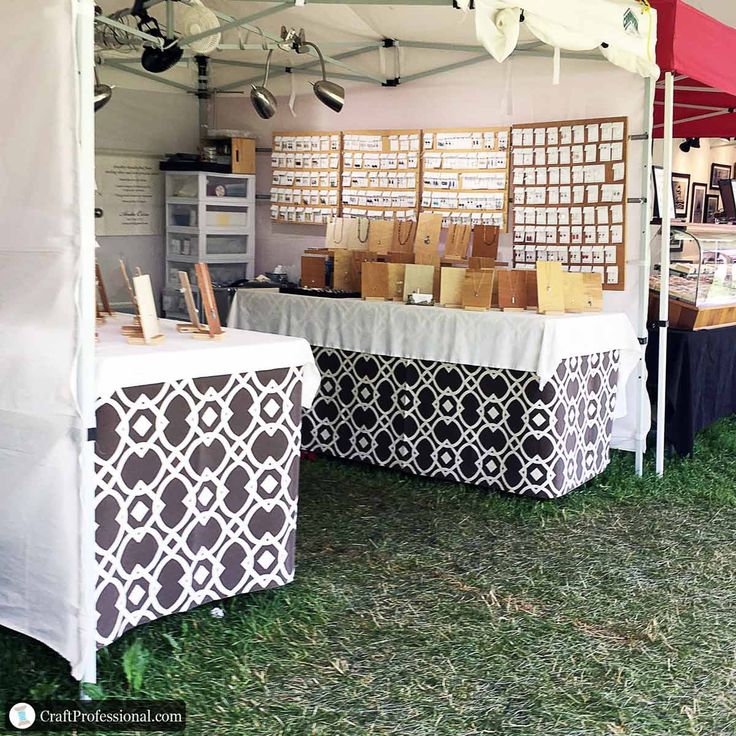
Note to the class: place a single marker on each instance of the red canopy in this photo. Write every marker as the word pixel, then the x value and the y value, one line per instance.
pixel 701 52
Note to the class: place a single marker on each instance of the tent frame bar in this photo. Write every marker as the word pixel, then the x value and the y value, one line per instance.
pixel 146 75
pixel 664 273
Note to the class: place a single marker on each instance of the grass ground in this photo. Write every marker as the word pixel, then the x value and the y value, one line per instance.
pixel 429 608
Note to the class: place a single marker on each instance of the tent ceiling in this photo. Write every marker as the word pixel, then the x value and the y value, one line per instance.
pixel 431 37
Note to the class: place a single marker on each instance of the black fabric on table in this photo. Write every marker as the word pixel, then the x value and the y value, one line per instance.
pixel 701 381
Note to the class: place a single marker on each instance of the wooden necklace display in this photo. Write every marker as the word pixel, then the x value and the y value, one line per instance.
pixel 457 241
pixel 478 290
pixel 485 241
pixel 512 290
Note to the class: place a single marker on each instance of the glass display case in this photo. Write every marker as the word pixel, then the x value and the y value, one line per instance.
pixel 702 276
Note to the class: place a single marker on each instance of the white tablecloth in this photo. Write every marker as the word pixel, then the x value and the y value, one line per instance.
pixel 120 364
pixel 522 341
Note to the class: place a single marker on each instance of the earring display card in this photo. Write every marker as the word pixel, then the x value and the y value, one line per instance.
pixel 374 282
pixel 511 290
pixel 574 290
pixel 550 289
pixel 380 174
pixel 427 241
pixel 465 175
pixel 306 181
pixel 485 241
pixel 458 239
pixel 418 279
pixel 592 292
pixel 314 272
pixel 478 290
pixel 405 233
pixel 150 334
pixel 569 192
pixel 451 286
pixel 381 236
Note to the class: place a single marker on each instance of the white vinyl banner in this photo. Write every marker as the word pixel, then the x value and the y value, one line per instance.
pixel 41 430
pixel 625 31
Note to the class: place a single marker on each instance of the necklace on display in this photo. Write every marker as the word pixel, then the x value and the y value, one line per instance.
pixel 512 283
pixel 486 228
pixel 408 235
pixel 477 281
pixel 335 238
pixel 367 229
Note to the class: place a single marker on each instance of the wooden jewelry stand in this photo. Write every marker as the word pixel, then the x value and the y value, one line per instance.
pixel 550 290
pixel 133 330
pixel 478 290
pixel 511 290
pixel 452 281
pixel 213 331
pixel 103 307
pixel 194 325
pixel 147 332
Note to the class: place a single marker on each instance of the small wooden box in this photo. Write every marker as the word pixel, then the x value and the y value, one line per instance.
pixel 243 152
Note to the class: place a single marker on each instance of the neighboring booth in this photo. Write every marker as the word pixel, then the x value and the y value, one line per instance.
pixel 695 99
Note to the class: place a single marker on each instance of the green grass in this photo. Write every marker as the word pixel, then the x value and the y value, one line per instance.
pixel 425 608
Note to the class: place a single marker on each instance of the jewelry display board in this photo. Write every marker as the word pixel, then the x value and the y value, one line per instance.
pixel 569 196
pixel 380 175
pixel 305 184
pixel 465 175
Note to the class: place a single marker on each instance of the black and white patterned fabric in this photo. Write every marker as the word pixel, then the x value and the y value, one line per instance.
pixel 488 427
pixel 196 494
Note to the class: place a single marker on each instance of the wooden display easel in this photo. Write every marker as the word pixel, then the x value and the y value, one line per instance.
pixel 418 278
pixel 592 292
pixel 194 325
pixel 375 282
pixel 103 310
pixel 209 305
pixel 574 291
pixel 148 331
pixel 405 233
pixel 458 239
pixel 380 236
pixel 485 241
pixel 427 240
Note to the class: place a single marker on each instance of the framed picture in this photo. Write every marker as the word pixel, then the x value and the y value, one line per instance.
pixel 681 194
pixel 697 203
pixel 658 183
pixel 712 205
pixel 718 172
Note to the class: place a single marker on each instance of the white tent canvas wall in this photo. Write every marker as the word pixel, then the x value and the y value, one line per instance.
pixel 47 394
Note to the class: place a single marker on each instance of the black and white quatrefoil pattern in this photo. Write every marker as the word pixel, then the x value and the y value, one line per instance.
pixel 488 427
pixel 196 494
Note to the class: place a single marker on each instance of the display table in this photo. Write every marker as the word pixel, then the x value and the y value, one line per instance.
pixel 197 465
pixel 701 381
pixel 516 402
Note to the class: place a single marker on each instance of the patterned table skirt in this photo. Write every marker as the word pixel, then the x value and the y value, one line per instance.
pixel 196 495
pixel 484 426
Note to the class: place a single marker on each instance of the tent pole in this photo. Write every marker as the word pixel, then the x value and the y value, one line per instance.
pixel 664 287
pixel 86 288
pixel 644 267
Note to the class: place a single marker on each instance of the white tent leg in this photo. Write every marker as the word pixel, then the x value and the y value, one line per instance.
pixel 664 289
pixel 644 266
pixel 86 324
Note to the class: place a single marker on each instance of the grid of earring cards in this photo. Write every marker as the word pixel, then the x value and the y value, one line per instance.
pixel 305 185
pixel 465 175
pixel 380 175
pixel 569 196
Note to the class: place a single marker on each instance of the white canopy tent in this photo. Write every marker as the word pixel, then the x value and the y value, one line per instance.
pixel 47 529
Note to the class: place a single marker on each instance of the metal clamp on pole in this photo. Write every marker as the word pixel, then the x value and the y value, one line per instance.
pixel 639 137
pixel 643 340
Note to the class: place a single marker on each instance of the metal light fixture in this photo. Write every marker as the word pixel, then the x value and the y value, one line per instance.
pixel 261 98
pixel 328 93
pixel 689 143
pixel 103 93
pixel 156 60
